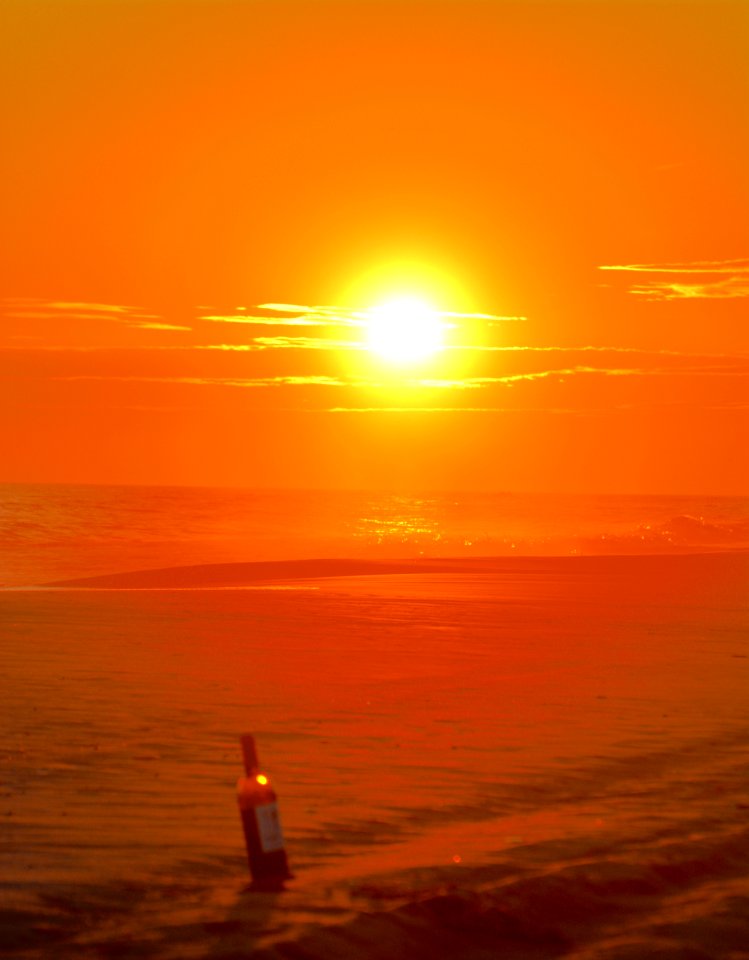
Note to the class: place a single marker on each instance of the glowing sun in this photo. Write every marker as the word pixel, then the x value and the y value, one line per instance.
pixel 404 330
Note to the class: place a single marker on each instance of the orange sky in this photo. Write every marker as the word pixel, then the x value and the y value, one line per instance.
pixel 169 167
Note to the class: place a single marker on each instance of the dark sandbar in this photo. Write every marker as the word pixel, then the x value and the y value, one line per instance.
pixel 214 575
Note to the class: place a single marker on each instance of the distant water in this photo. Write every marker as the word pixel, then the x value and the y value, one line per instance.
pixel 54 531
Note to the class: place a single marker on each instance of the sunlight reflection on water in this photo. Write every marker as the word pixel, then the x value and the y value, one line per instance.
pixel 57 532
pixel 401 520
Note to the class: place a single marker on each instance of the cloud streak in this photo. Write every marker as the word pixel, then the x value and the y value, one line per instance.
pixel 305 343
pixel 284 343
pixel 252 320
pixel 464 383
pixel 577 411
pixel 21 308
pixel 328 315
pixel 243 382
pixel 693 280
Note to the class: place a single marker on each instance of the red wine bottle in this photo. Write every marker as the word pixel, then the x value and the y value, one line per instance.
pixel 258 808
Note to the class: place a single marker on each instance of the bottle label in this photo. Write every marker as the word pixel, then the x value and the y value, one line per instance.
pixel 269 827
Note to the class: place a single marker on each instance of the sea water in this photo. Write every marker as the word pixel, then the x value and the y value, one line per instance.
pixel 51 531
pixel 542 751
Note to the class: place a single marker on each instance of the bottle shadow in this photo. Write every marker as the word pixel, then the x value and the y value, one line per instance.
pixel 247 922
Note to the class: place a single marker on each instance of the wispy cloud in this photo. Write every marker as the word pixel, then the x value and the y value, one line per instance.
pixel 244 382
pixel 314 343
pixel 112 309
pixel 252 320
pixel 731 289
pixel 738 369
pixel 693 266
pixel 523 410
pixel 358 316
pixel 691 280
pixel 61 310
pixel 285 343
pixel 294 314
pixel 153 325
pixel 332 312
pixel 68 323
pixel 589 348
pixel 305 343
pixel 556 372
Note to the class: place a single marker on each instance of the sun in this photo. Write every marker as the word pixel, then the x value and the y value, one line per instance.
pixel 404 330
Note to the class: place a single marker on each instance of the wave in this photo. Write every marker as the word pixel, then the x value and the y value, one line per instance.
pixel 677 534
pixel 648 889
pixel 56 533
pixel 608 905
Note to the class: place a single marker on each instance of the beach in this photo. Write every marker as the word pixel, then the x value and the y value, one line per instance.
pixel 374 491
pixel 473 757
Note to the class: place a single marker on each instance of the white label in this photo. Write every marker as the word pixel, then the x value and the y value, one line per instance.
pixel 269 827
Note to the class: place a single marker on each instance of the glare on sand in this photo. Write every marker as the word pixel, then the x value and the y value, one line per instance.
pixel 405 330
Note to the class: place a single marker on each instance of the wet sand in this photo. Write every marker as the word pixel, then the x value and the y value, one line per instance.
pixel 517 757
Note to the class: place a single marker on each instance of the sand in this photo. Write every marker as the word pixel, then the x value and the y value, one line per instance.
pixel 480 758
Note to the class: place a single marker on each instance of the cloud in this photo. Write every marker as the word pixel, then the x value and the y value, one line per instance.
pixel 694 266
pixel 693 280
pixel 251 320
pixel 732 289
pixel 329 311
pixel 285 343
pixel 21 308
pixel 588 348
pixel 552 410
pixel 259 344
pixel 244 382
pixel 344 316
pixel 306 343
pixel 146 325
pixel 556 372
pixel 738 369
pixel 97 308
pixel 323 380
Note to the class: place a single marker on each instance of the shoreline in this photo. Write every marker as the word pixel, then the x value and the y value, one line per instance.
pixel 534 755
pixel 226 575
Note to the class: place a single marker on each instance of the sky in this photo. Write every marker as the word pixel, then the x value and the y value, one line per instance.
pixel 209 206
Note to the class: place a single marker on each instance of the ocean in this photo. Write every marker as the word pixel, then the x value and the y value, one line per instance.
pixel 538 756
pixel 51 532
